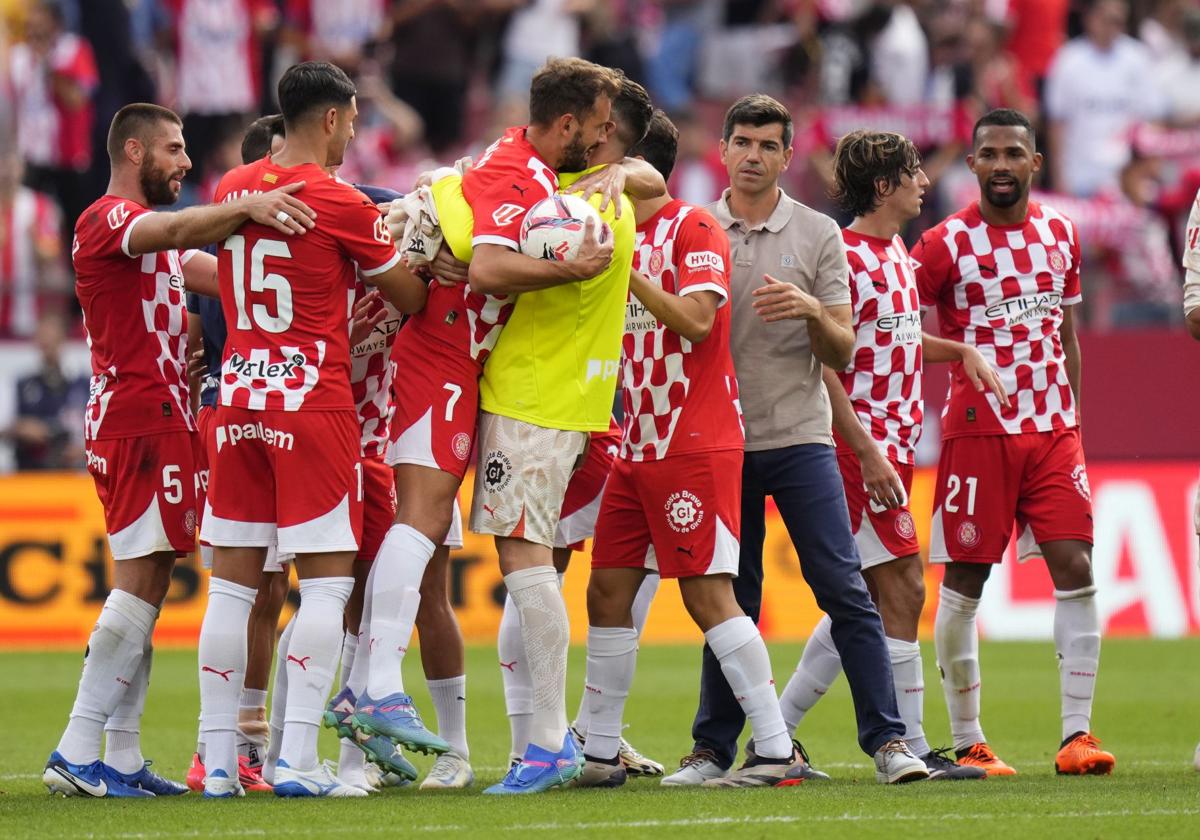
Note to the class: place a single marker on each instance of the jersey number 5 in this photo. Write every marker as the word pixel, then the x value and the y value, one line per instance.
pixel 260 282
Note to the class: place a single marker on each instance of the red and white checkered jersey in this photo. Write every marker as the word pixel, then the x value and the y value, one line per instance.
pixel 507 180
pixel 679 397
pixel 371 372
pixel 136 321
pixel 286 298
pixel 218 53
pixel 1002 290
pixel 883 380
pixel 29 227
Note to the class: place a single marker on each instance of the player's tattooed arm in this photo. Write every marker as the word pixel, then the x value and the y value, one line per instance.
pixel 632 176
pixel 690 316
pixel 1074 362
pixel 981 374
pixel 200 226
pixel 499 270
pixel 880 478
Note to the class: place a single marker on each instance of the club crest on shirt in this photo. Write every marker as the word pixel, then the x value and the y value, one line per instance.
pixel 1056 261
pixel 656 261
pixel 968 534
pixel 461 446
pixel 787 260
pixel 684 511
pixel 1079 478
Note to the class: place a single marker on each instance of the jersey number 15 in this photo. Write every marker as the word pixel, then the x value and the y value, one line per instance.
pixel 260 282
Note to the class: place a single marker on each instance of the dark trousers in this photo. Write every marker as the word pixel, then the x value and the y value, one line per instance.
pixel 807 487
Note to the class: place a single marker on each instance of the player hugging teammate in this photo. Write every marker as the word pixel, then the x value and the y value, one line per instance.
pixel 320 392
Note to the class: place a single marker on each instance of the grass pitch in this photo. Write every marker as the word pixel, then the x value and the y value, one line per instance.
pixel 1146 714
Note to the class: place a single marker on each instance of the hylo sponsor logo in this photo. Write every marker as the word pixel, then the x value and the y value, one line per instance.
pixel 697 260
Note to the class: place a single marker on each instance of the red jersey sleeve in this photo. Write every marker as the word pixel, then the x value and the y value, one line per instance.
pixel 105 228
pixel 932 265
pixel 364 237
pixel 499 211
pixel 702 256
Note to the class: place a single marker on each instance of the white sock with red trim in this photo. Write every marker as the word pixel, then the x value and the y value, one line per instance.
pixel 1077 642
pixel 739 648
pixel 546 632
pixel 310 661
pixel 222 656
pixel 956 640
pixel 514 674
pixel 395 597
pixel 611 660
pixel 819 666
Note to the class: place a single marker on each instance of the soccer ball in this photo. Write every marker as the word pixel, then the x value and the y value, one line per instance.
pixel 553 228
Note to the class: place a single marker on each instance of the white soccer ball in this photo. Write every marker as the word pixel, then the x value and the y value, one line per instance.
pixel 553 228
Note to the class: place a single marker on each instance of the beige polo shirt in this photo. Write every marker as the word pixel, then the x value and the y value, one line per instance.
pixel 783 398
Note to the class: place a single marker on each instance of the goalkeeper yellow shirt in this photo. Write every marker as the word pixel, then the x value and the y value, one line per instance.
pixel 557 360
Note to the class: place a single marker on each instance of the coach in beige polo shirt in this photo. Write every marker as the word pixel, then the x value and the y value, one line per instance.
pixel 791 312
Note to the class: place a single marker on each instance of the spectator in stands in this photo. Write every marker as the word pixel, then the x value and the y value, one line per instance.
pixel 538 29
pixel 899 56
pixel 218 57
pixel 53 75
pixel 1162 30
pixel 341 32
pixel 49 407
pixel 1038 29
pixel 1181 75
pixel 435 85
pixel 1100 86
pixel 997 77
pixel 671 65
pixel 31 268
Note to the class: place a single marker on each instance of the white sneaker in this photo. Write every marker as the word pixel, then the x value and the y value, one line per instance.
pixel 319 781
pixel 695 769
pixel 895 764
pixel 450 772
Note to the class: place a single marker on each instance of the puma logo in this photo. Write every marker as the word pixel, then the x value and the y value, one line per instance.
pixel 520 189
pixel 222 674
pixel 491 511
pixel 687 551
pixel 302 661
pixel 511 666
pixel 989 268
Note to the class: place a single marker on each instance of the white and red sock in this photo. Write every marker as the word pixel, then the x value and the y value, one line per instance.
pixel 819 666
pixel 739 648
pixel 1077 641
pixel 395 597
pixel 611 660
pixel 222 657
pixel 956 640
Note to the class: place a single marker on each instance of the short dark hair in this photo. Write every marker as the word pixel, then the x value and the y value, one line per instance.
pixel 135 121
pixel 569 86
pixel 1003 116
pixel 864 158
pixel 313 85
pixel 757 110
pixel 256 144
pixel 632 111
pixel 660 145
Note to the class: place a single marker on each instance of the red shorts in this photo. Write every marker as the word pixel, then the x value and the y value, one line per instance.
pixel 986 484
pixel 147 487
pixel 436 392
pixel 290 477
pixel 680 516
pixel 882 534
pixel 581 505
pixel 378 507
pixel 204 447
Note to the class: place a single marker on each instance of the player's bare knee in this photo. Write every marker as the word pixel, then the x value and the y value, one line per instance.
pixel 967 578
pixel 610 599
pixel 709 600
pixel 1069 563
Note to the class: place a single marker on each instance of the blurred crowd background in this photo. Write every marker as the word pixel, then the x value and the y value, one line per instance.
pixel 1114 88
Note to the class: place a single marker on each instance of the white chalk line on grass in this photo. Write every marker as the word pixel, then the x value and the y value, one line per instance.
pixel 694 822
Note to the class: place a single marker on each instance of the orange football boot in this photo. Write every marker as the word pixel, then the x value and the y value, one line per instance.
pixel 1081 756
pixel 981 755
pixel 251 777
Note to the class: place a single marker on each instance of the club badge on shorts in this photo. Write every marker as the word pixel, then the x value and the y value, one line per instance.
pixel 684 510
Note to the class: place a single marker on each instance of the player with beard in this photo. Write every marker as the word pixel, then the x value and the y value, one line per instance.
pixel 138 429
pixel 286 466
pixel 437 402
pixel 1004 276
pixel 877 415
